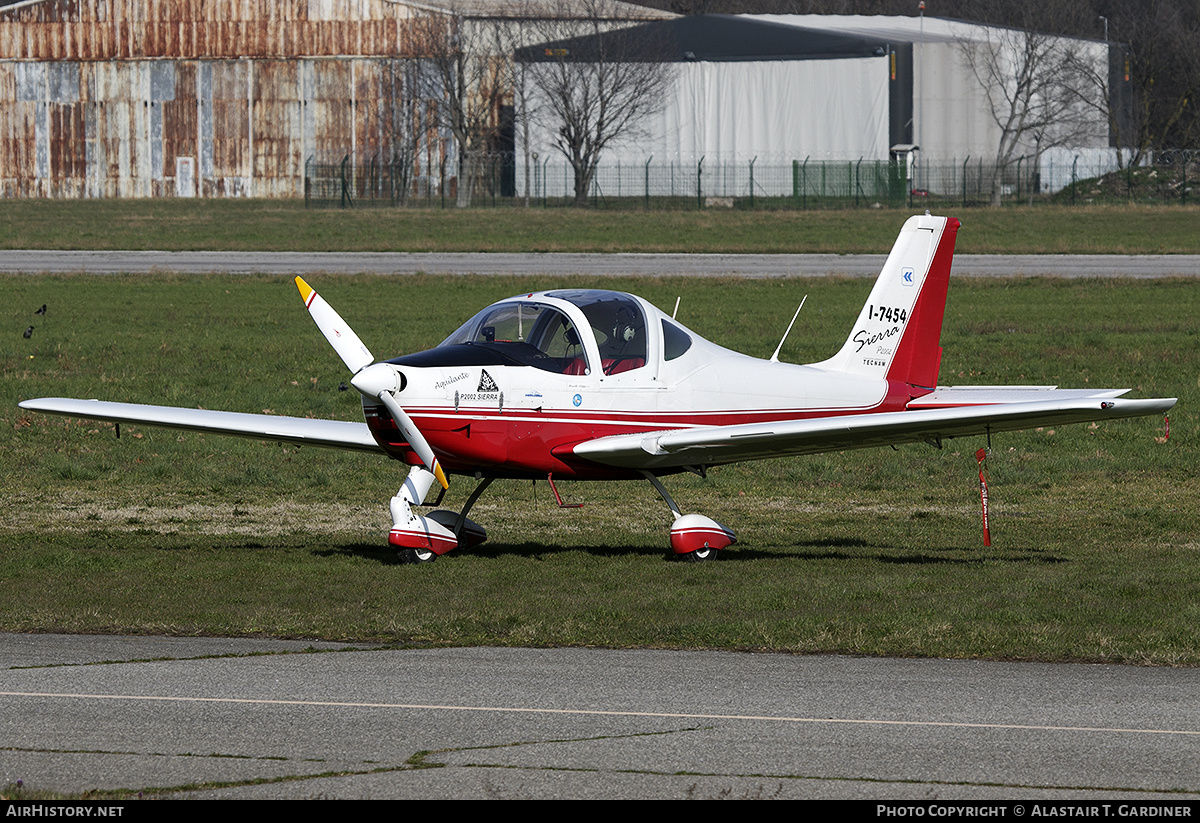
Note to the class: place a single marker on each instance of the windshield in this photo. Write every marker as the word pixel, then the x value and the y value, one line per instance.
pixel 528 334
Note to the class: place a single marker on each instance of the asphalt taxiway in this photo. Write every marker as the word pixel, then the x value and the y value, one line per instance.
pixel 592 265
pixel 249 718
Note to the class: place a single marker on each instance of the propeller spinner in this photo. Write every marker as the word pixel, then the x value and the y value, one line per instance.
pixel 370 378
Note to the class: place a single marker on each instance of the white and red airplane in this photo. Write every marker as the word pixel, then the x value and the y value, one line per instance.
pixel 600 385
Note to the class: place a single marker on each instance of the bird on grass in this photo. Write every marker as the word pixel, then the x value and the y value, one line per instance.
pixel 29 332
pixel 42 310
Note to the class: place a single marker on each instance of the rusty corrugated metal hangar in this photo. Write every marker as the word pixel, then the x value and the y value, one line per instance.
pixel 144 98
pixel 208 98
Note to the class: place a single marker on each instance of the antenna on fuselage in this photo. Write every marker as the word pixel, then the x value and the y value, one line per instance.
pixel 676 307
pixel 775 356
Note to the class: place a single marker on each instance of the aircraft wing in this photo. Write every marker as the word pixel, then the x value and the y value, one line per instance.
pixel 713 445
pixel 335 434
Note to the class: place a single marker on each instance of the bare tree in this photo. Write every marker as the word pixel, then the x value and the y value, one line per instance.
pixel 471 71
pixel 595 82
pixel 1157 73
pixel 410 122
pixel 525 109
pixel 1033 90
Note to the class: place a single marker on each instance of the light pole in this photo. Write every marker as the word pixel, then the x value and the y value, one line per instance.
pixel 920 141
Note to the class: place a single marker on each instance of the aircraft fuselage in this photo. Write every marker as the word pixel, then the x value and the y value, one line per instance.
pixel 483 415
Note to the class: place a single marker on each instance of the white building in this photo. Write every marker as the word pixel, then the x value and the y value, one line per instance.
pixel 785 89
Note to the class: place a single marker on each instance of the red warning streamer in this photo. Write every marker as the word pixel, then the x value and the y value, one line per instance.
pixel 983 497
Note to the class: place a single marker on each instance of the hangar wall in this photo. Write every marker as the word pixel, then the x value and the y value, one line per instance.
pixel 782 110
pixel 949 104
pixel 729 113
pixel 205 128
pixel 141 98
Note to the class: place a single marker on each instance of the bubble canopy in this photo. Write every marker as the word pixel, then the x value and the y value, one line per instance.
pixel 548 331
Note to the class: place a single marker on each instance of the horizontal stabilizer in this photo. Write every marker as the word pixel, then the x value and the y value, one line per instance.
pixel 955 396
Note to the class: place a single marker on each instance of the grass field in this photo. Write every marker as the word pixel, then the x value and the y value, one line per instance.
pixel 267 225
pixel 874 552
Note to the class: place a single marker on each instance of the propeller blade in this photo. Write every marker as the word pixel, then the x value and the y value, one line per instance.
pixel 345 342
pixel 379 381
pixel 373 380
pixel 414 437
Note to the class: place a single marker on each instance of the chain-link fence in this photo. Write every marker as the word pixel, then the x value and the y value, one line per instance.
pixel 398 181
pixel 507 179
pixel 737 184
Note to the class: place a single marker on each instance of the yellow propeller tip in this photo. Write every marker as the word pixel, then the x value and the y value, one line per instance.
pixel 305 289
pixel 437 472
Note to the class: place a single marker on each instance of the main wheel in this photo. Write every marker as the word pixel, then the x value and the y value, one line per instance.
pixel 416 556
pixel 701 555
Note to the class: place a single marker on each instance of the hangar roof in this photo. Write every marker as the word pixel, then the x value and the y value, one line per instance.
pixel 729 38
pixel 541 8
pixel 892 28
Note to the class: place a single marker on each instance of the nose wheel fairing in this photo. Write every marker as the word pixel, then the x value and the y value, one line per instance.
pixel 424 538
pixel 423 534
pixel 434 533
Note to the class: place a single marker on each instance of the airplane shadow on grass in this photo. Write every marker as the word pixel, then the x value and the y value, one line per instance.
pixel 827 549
pixel 841 548
pixel 493 551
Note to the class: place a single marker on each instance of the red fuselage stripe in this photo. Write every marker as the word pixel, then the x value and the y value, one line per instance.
pixel 529 443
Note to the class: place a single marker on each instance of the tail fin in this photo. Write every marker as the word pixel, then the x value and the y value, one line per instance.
pixel 898 333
